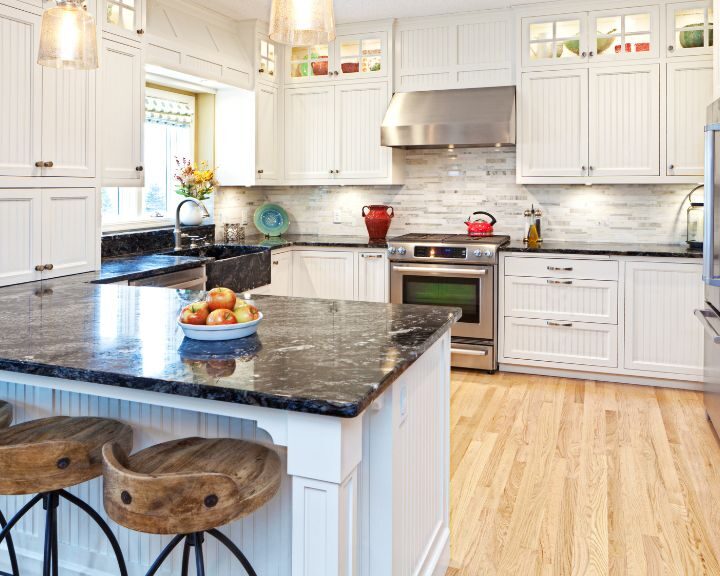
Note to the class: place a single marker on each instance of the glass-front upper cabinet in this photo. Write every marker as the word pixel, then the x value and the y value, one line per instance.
pixel 360 55
pixel 267 59
pixel 307 63
pixel 690 28
pixel 554 40
pixel 624 34
pixel 124 17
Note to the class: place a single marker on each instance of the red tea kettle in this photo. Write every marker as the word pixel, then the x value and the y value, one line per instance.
pixel 479 227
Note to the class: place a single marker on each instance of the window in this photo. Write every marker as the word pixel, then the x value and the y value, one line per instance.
pixel 169 134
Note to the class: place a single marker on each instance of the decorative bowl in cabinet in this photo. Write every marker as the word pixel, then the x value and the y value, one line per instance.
pixel 350 67
pixel 320 68
pixel 693 36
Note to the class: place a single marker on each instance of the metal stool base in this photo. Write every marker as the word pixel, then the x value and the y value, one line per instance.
pixel 196 541
pixel 50 502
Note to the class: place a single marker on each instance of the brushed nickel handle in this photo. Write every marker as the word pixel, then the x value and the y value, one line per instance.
pixel 560 282
pixel 39 164
pixel 560 324
pixel 139 168
pixel 39 268
pixel 48 164
pixel 557 269
pixel 372 256
pixel 49 267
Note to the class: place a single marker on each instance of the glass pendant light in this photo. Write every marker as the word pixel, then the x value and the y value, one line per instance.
pixel 302 22
pixel 68 38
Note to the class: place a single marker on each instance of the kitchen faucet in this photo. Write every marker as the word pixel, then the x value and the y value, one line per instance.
pixel 177 232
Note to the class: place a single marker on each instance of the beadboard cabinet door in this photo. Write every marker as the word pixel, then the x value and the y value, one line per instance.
pixel 625 121
pixel 689 93
pixel 123 109
pixel 281 275
pixel 69 231
pixel 309 133
pixel 323 274
pixel 554 123
pixel 359 112
pixel 20 93
pixel 20 236
pixel 373 272
pixel 68 123
pixel 267 142
pixel 661 332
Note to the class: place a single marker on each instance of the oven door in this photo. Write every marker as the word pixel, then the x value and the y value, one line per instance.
pixel 471 288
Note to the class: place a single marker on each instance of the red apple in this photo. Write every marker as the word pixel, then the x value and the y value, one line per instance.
pixel 221 317
pixel 246 313
pixel 196 313
pixel 221 299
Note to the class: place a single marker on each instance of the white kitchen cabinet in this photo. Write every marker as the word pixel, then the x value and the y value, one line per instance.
pixel 625 121
pixel 20 235
pixel 661 332
pixel 20 93
pixel 373 277
pixel 309 133
pixel 689 28
pixel 561 342
pixel 359 112
pixel 125 18
pixel 689 93
pixel 555 40
pixel 323 274
pixel 69 123
pixel 123 114
pixel 624 34
pixel 554 128
pixel 281 269
pixel 69 231
pixel 268 58
pixel 268 150
pixel 458 51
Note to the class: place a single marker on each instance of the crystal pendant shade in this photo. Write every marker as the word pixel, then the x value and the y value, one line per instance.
pixel 68 38
pixel 302 22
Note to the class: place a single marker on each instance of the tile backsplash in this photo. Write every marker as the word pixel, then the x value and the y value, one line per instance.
pixel 443 188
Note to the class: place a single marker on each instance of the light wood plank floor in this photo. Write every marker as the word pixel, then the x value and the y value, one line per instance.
pixel 552 476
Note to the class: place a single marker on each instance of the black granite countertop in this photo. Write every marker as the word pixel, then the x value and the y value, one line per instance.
pixel 313 240
pixel 139 267
pixel 606 249
pixel 317 356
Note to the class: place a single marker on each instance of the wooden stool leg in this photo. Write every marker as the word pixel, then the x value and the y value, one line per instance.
pixel 11 548
pixel 103 526
pixel 199 559
pixel 163 555
pixel 230 545
pixel 186 557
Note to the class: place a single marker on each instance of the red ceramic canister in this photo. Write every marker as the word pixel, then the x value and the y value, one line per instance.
pixel 377 220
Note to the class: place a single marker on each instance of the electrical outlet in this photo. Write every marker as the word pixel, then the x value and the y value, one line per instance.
pixel 244 217
pixel 337 216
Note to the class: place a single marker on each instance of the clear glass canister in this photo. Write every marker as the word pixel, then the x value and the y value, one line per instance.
pixel 695 220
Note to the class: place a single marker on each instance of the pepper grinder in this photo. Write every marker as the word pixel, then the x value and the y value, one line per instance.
pixel 538 222
pixel 528 223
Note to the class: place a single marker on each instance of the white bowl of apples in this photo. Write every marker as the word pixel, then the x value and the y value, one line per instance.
pixel 221 316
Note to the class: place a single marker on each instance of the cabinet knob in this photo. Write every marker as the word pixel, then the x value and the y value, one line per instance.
pixel 336 73
pixel 39 268
pixel 261 171
pixel 591 54
pixel 48 164
pixel 671 48
pixel 139 168
pixel 583 168
pixel 49 267
pixel 584 54
pixel 590 168
pixel 39 164
pixel 261 70
pixel 332 171
pixel 672 167
pixel 337 171
pixel 140 31
pixel 276 262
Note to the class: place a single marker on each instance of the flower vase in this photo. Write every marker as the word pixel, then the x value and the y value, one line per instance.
pixel 191 214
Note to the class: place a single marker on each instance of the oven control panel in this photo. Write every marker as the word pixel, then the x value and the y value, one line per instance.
pixel 412 252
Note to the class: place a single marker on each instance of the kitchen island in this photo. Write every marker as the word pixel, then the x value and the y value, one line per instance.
pixel 355 397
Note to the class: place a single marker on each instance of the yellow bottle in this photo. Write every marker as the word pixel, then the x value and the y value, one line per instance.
pixel 533 236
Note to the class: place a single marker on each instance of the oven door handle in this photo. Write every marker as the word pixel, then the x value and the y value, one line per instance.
pixel 433 270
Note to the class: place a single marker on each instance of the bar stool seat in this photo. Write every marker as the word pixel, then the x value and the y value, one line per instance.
pixel 189 487
pixel 6 418
pixel 43 457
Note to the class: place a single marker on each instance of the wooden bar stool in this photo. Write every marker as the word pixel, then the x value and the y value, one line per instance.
pixel 43 457
pixel 189 488
pixel 6 418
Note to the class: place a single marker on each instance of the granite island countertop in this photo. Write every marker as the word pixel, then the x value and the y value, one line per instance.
pixel 317 356
pixel 606 249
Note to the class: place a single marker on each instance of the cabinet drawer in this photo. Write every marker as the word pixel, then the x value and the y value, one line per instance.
pixel 561 342
pixel 561 268
pixel 562 299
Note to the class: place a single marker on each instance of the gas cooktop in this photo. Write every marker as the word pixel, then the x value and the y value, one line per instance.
pixel 455 248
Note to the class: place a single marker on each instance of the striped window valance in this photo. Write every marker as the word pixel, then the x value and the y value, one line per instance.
pixel 168 112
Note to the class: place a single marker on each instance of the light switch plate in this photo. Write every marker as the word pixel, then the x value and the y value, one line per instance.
pixel 337 216
pixel 244 217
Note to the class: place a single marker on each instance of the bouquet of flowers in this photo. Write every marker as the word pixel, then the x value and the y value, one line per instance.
pixel 195 181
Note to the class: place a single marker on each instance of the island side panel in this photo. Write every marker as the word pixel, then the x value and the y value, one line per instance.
pixel 265 537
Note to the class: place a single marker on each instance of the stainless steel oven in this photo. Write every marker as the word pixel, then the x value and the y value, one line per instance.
pixel 455 271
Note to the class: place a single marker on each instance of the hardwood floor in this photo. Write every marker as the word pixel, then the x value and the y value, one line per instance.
pixel 553 476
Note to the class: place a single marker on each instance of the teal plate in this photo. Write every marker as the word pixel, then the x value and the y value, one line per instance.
pixel 271 220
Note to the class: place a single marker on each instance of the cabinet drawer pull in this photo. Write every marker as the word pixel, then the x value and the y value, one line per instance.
pixel 372 256
pixel 560 324
pixel 557 269
pixel 561 282
pixel 276 262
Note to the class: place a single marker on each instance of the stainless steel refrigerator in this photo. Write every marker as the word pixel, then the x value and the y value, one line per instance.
pixel 710 315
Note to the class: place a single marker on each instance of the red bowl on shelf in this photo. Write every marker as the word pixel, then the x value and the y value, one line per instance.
pixel 642 47
pixel 320 68
pixel 350 67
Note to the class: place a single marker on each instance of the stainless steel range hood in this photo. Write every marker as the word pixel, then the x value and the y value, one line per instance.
pixel 473 117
